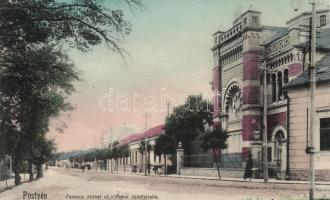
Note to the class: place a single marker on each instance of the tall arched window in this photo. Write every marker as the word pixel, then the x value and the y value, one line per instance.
pixel 285 81
pixel 273 88
pixel 280 84
pixel 286 76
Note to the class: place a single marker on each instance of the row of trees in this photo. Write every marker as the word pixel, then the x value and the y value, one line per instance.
pixel 188 122
pixel 37 76
pixel 115 152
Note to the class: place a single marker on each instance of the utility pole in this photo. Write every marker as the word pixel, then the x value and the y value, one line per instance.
pixel 264 69
pixel 312 88
pixel 168 108
pixel 264 132
pixel 145 143
pixel 111 168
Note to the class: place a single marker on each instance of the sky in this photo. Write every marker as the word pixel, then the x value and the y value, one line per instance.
pixel 170 58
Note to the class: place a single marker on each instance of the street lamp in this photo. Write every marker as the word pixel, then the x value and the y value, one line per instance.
pixel 312 87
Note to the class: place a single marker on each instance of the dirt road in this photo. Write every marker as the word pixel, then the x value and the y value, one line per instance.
pixel 66 184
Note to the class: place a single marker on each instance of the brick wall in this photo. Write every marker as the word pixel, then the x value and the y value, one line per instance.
pixel 250 123
pixel 295 69
pixel 250 66
pixel 251 94
pixel 275 120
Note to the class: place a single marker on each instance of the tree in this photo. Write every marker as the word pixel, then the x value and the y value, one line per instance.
pixel 142 150
pixel 215 140
pixel 115 153
pixel 124 153
pixel 78 23
pixel 165 145
pixel 34 86
pixel 30 30
pixel 43 152
pixel 188 120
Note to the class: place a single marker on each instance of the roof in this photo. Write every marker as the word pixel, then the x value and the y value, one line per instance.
pixel 306 13
pixel 278 32
pixel 322 74
pixel 322 42
pixel 152 132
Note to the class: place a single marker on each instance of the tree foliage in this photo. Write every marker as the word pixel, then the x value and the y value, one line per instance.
pixel 142 146
pixel 188 121
pixel 36 76
pixel 215 140
pixel 34 85
pixel 164 145
pixel 79 23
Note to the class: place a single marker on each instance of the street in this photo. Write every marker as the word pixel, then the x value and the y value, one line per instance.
pixel 75 184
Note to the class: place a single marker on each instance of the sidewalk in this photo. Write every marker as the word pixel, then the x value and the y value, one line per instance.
pixel 275 181
pixel 242 180
pixel 10 182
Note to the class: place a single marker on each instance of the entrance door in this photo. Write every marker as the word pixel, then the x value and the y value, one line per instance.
pixel 280 154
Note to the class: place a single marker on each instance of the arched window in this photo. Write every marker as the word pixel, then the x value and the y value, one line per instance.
pixel 280 84
pixel 285 81
pixel 233 102
pixel 273 88
pixel 286 76
pixel 268 79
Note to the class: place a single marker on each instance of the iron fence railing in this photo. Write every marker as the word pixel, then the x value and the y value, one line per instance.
pixel 7 179
pixel 229 160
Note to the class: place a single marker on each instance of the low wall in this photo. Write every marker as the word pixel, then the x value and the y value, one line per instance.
pixel 320 175
pixel 4 173
pixel 212 172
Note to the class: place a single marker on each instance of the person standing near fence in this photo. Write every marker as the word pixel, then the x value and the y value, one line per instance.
pixel 248 168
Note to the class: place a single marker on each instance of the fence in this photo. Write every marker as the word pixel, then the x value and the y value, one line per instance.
pixel 7 180
pixel 230 160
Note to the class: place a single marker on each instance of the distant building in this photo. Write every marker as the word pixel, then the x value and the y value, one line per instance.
pixel 136 160
pixel 117 134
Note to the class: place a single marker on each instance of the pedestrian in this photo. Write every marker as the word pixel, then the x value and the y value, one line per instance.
pixel 248 168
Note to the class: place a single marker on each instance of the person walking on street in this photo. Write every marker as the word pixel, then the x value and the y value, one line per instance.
pixel 248 168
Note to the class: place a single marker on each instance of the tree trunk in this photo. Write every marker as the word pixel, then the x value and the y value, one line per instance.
pixel 148 163
pixel 16 165
pixel 216 162
pixel 142 163
pixel 165 164
pixel 117 164
pixel 40 172
pixel 30 171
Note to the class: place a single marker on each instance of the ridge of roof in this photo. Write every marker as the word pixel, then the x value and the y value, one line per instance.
pixel 322 74
pixel 151 132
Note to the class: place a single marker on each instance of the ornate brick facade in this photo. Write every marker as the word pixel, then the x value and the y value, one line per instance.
pixel 250 123
pixel 295 69
pixel 250 66
pixel 236 75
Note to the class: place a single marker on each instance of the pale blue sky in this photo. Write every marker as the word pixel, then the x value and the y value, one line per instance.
pixel 170 48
